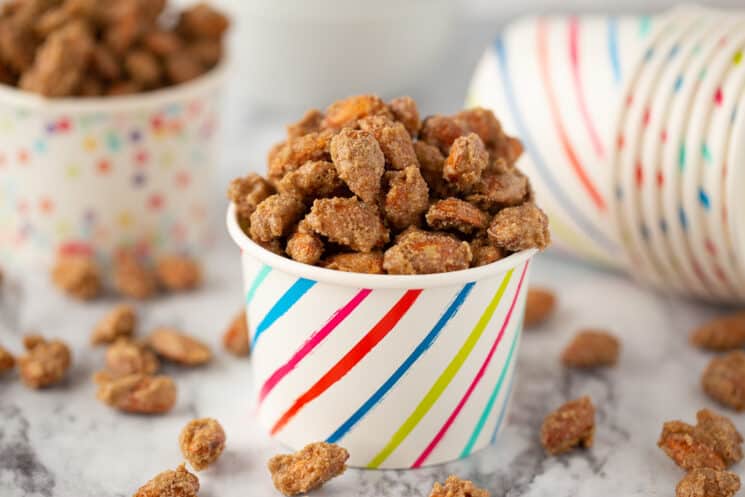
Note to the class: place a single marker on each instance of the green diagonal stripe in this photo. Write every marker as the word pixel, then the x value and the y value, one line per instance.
pixel 444 379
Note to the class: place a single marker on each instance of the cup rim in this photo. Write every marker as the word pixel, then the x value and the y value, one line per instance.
pixel 82 105
pixel 372 281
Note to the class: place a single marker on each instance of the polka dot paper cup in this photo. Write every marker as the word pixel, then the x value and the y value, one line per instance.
pixel 101 174
pixel 403 371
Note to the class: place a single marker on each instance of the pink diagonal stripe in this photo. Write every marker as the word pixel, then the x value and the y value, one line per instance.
pixel 480 374
pixel 315 339
pixel 597 143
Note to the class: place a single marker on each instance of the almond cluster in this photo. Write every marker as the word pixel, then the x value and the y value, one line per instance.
pixel 368 187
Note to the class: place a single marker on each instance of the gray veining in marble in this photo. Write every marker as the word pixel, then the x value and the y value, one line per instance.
pixel 62 443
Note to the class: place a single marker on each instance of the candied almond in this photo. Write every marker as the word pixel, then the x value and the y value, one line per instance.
pixel 497 190
pixel 143 67
pixel 309 123
pixel 45 362
pixel 539 306
pixel 125 357
pixel 348 222
pixel 133 278
pixel 235 338
pixel 457 214
pixel 59 64
pixel 484 252
pixel 484 123
pixel 16 47
pixel 178 483
pixel 314 179
pixel 179 347
pixel 119 322
pixel 356 262
pixel 441 131
pixel 248 192
pixel 304 247
pixel 347 112
pixel 202 21
pixel 724 379
pixel 137 393
pixel 202 441
pixel 78 276
pixel 406 198
pixel 431 162
pixel 161 42
pixel 394 141
pixel 7 361
pixel 713 443
pixel 421 252
pixel 520 228
pixel 590 349
pixel 295 152
pixel 207 52
pixel 456 487
pixel 571 425
pixel 723 333
pixel 182 66
pixel 359 162
pixel 405 111
pixel 465 163
pixel 707 482
pixel 307 469
pixel 178 272
pixel 275 216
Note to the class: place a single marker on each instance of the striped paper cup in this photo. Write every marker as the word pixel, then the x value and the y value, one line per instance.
pixel 97 175
pixel 403 371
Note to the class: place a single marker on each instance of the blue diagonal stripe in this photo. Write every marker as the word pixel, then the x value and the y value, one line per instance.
pixel 493 397
pixel 425 344
pixel 543 169
pixel 613 48
pixel 285 302
pixel 256 283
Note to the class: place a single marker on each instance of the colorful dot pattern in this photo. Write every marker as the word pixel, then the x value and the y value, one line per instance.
pixel 106 181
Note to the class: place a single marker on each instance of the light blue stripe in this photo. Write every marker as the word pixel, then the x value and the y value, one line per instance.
pixel 256 283
pixel 285 302
pixel 425 344
pixel 543 169
pixel 493 397
pixel 504 410
pixel 613 48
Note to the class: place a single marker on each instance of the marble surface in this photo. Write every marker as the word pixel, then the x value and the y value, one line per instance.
pixel 62 443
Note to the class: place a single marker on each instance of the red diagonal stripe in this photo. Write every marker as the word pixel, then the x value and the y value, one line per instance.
pixel 566 144
pixel 351 358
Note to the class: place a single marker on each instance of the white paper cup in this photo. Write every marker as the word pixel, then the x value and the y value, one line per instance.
pixel 515 79
pixel 402 371
pixel 654 138
pixel 673 155
pixel 695 199
pixel 717 145
pixel 628 173
pixel 101 174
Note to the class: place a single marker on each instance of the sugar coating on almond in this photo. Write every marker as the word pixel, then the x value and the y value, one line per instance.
pixel 202 441
pixel 307 469
pixel 571 425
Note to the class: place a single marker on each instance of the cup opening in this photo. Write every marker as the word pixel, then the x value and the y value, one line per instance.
pixel 359 280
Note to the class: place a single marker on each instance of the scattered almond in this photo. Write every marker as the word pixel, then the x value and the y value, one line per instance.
pixel 571 425
pixel 235 339
pixel 178 483
pixel 307 469
pixel 137 393
pixel 178 347
pixel 45 363
pixel 724 333
pixel 202 441
pixel 120 322
pixel 591 349
pixel 539 306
